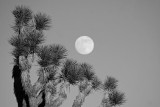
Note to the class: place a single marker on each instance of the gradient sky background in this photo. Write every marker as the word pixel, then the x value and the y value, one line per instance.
pixel 127 44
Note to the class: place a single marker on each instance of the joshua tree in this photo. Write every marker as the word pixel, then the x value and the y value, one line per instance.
pixel 111 97
pixel 51 57
pixel 26 41
pixel 69 75
pixel 18 42
pixel 88 82
pixel 55 69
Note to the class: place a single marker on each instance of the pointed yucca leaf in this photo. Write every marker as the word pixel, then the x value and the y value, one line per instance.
pixel 51 55
pixel 16 28
pixel 116 98
pixel 17 40
pixel 87 71
pixel 58 51
pixel 33 39
pixel 22 15
pixel 20 51
pixel 42 21
pixel 45 56
pixel 70 71
pixel 110 84
pixel 96 83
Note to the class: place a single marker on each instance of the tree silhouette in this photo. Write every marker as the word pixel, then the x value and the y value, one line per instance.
pixel 22 16
pixel 56 72
pixel 87 83
pixel 111 97
pixel 26 41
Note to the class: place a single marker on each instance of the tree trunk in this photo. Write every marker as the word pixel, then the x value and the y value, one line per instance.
pixel 59 98
pixel 78 102
pixel 105 102
pixel 31 90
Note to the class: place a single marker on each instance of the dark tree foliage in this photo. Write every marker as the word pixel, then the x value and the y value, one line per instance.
pixel 26 44
pixel 18 52
pixel 42 21
pixel 70 71
pixel 51 55
pixel 33 39
pixel 87 71
pixel 18 41
pixel 116 98
pixel 110 84
pixel 96 83
pixel 22 16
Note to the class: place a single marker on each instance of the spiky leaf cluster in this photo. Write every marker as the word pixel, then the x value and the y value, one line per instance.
pixel 22 15
pixel 33 39
pixel 42 21
pixel 70 71
pixel 25 44
pixel 27 37
pixel 18 41
pixel 96 83
pixel 110 84
pixel 87 71
pixel 19 51
pixel 116 98
pixel 51 55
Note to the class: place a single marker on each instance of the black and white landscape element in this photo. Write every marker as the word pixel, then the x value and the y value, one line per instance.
pixel 55 72
pixel 117 38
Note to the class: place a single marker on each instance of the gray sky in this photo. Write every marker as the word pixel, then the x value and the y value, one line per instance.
pixel 127 43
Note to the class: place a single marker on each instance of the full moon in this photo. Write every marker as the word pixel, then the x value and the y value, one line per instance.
pixel 84 45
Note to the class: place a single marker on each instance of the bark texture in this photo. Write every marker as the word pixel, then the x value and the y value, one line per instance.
pixel 78 102
pixel 31 90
